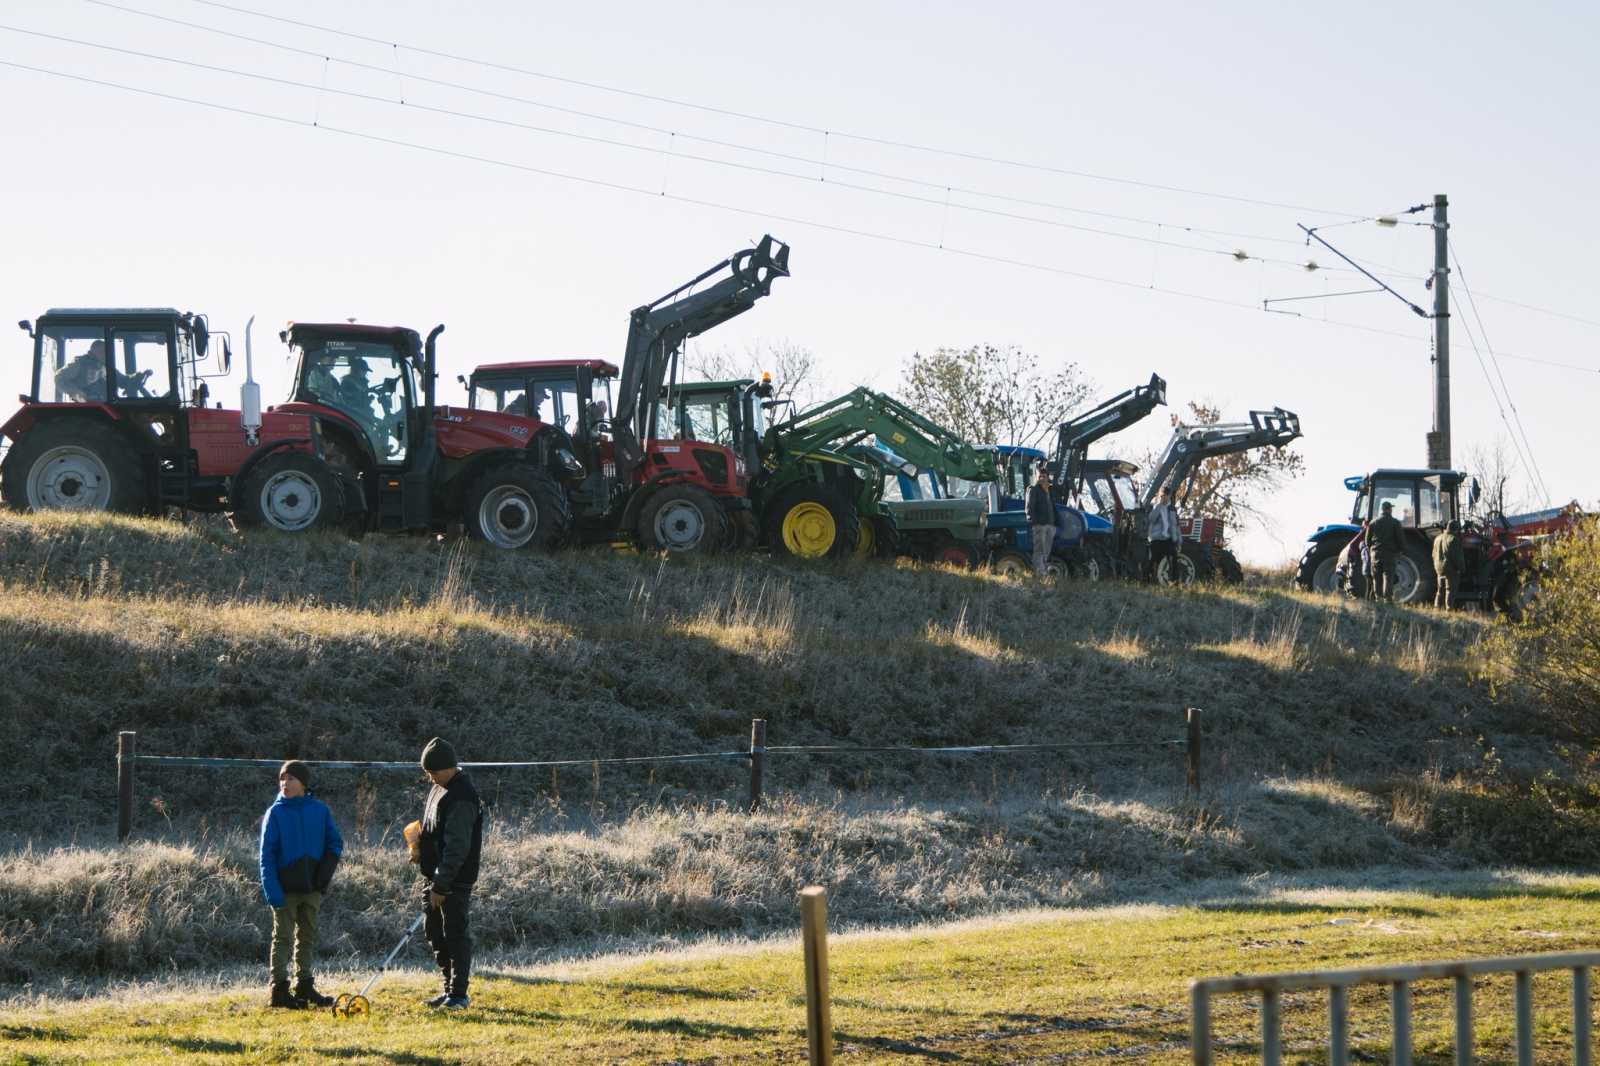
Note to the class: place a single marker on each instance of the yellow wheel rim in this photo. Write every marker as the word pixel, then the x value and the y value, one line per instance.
pixel 867 544
pixel 358 1008
pixel 809 531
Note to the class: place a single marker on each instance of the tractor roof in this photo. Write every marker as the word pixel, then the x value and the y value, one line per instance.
pixel 713 386
pixel 1448 475
pixel 112 312
pixel 1009 450
pixel 599 366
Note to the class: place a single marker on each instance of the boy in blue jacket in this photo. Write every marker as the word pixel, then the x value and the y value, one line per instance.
pixel 300 847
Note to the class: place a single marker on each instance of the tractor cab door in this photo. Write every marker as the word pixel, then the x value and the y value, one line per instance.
pixel 374 386
pixel 1436 503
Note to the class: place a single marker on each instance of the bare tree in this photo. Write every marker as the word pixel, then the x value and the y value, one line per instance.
pixel 1501 482
pixel 795 375
pixel 990 395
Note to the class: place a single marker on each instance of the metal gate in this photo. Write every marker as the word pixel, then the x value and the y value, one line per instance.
pixel 1400 979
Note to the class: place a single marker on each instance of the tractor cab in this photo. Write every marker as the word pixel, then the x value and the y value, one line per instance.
pixel 574 394
pixel 1108 488
pixel 1426 500
pixel 368 377
pixel 148 358
pixel 732 414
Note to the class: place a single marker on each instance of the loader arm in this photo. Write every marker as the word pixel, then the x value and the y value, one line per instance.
pixel 657 332
pixel 847 420
pixel 1074 436
pixel 1192 445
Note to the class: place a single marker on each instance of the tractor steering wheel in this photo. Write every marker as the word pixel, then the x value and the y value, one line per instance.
pixel 133 385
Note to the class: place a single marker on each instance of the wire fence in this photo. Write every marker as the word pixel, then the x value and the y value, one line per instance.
pixel 755 756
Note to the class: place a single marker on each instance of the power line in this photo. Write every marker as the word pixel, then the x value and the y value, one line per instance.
pixel 1504 388
pixel 1541 310
pixel 822 165
pixel 1500 407
pixel 1548 362
pixel 781 123
pixel 322 88
pixel 693 201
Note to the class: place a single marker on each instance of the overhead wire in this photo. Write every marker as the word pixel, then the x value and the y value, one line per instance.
pixel 769 120
pixel 1504 388
pixel 323 88
pixel 1499 404
pixel 967 253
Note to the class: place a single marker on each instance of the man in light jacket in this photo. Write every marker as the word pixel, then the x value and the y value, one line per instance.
pixel 1041 520
pixel 300 847
pixel 1164 535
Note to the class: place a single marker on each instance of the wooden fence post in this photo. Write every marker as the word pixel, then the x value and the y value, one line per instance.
pixel 125 741
pixel 758 759
pixel 814 933
pixel 1191 750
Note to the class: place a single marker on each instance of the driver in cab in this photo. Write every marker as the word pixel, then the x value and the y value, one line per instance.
pixel 84 378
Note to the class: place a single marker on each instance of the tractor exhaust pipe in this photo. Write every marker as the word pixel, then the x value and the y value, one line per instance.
pixel 250 394
pixel 428 372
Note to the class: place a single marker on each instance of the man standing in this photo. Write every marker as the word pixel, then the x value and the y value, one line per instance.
pixel 1164 535
pixel 448 852
pixel 1449 559
pixel 300 846
pixel 1386 544
pixel 1041 520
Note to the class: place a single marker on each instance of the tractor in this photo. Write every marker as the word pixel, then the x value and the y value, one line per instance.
pixel 1113 492
pixel 117 419
pixel 651 469
pixel 1499 553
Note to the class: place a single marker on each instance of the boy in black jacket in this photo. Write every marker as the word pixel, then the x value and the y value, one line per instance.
pixel 448 853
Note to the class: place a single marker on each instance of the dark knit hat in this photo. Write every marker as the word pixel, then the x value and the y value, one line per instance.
pixel 437 754
pixel 296 769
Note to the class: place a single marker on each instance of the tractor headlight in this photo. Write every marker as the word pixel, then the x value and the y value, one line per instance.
pixel 569 463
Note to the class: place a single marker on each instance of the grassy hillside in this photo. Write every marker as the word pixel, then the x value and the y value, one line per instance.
pixel 1338 735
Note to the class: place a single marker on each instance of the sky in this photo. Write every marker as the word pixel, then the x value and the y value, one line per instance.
pixel 1073 179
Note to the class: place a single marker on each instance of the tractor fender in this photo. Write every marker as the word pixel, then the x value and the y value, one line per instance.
pixel 31 413
pixel 1333 529
pixel 255 457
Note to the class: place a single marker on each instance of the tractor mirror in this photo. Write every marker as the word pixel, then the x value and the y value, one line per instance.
pixel 26 327
pixel 202 337
pixel 1472 494
pixel 227 356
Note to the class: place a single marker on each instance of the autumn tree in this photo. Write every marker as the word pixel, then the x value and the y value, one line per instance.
pixel 1502 483
pixel 1229 487
pixel 989 395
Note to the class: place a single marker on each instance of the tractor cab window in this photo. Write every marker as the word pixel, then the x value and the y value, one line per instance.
pixel 143 364
pixel 963 489
pixel 1435 502
pixel 561 409
pixel 707 418
pixel 369 382
pixel 72 365
pixel 1401 494
pixel 896 486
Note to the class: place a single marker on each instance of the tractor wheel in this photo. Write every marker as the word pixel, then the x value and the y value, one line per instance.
pixel 1517 594
pixel 1012 564
pixel 291 492
pixel 811 521
pixel 878 540
pixel 684 519
pixel 74 464
pixel 1179 569
pixel 516 505
pixel 742 531
pixel 1316 570
pixel 1228 566
pixel 1413 575
pixel 1093 564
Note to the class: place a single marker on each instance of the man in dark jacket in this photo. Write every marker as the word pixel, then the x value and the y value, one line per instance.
pixel 1449 559
pixel 300 846
pixel 1041 520
pixel 1386 543
pixel 448 853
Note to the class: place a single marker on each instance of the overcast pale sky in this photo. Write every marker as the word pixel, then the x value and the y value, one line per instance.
pixel 1343 112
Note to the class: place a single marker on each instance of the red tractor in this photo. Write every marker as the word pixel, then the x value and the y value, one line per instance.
pixel 116 420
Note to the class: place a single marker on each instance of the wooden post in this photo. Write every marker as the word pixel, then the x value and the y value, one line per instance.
pixel 814 933
pixel 1191 751
pixel 758 759
pixel 125 741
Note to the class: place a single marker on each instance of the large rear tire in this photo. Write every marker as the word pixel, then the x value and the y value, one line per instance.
pixel 811 521
pixel 1228 566
pixel 1316 570
pixel 516 505
pixel 74 464
pixel 877 540
pixel 1413 575
pixel 291 492
pixel 684 520
pixel 1012 564
pixel 1177 569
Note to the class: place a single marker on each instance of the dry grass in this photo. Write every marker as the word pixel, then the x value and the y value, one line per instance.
pixel 208 643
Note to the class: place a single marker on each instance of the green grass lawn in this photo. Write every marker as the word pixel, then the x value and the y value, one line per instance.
pixel 1045 987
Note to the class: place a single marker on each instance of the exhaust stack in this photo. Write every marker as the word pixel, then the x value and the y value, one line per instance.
pixel 250 394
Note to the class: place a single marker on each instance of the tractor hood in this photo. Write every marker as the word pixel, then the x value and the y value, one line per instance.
pixel 964 519
pixel 463 431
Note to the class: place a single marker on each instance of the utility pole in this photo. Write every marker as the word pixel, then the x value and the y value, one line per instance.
pixel 1439 439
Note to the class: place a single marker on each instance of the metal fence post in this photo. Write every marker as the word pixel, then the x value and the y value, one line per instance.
pixel 1191 750
pixel 1582 1025
pixel 125 747
pixel 1400 1016
pixel 814 934
pixel 1524 1018
pixel 1271 1028
pixel 1338 1026
pixel 758 759
pixel 1200 1024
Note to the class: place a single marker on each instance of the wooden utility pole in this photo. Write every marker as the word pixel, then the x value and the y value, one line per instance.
pixel 1439 439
